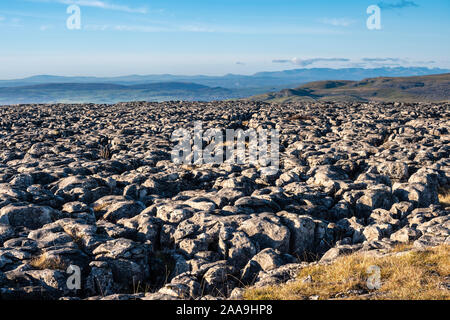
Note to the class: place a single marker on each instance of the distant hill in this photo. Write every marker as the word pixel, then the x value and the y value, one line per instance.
pixel 269 80
pixel 431 88
pixel 109 93
pixel 58 89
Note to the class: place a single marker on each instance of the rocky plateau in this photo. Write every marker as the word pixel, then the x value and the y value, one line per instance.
pixel 94 186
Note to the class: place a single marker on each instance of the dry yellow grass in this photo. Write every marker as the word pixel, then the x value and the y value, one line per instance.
pixel 101 207
pixel 403 247
pixel 444 197
pixel 408 275
pixel 44 262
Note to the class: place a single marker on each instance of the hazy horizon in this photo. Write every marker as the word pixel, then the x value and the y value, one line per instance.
pixel 200 75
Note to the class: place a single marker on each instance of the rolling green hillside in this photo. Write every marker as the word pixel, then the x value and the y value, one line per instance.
pixel 404 89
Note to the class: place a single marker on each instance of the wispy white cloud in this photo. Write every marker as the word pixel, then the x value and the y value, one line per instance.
pixel 337 22
pixel 11 21
pixel 45 27
pixel 204 28
pixel 194 28
pixel 99 4
pixel 137 28
pixel 149 29
pixel 307 62
pixel 391 60
pixel 365 62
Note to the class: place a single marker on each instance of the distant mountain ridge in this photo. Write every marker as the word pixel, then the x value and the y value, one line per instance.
pixel 109 93
pixel 93 86
pixel 286 78
pixel 54 89
pixel 431 88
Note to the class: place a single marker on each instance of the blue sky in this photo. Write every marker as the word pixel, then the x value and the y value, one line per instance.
pixel 213 37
